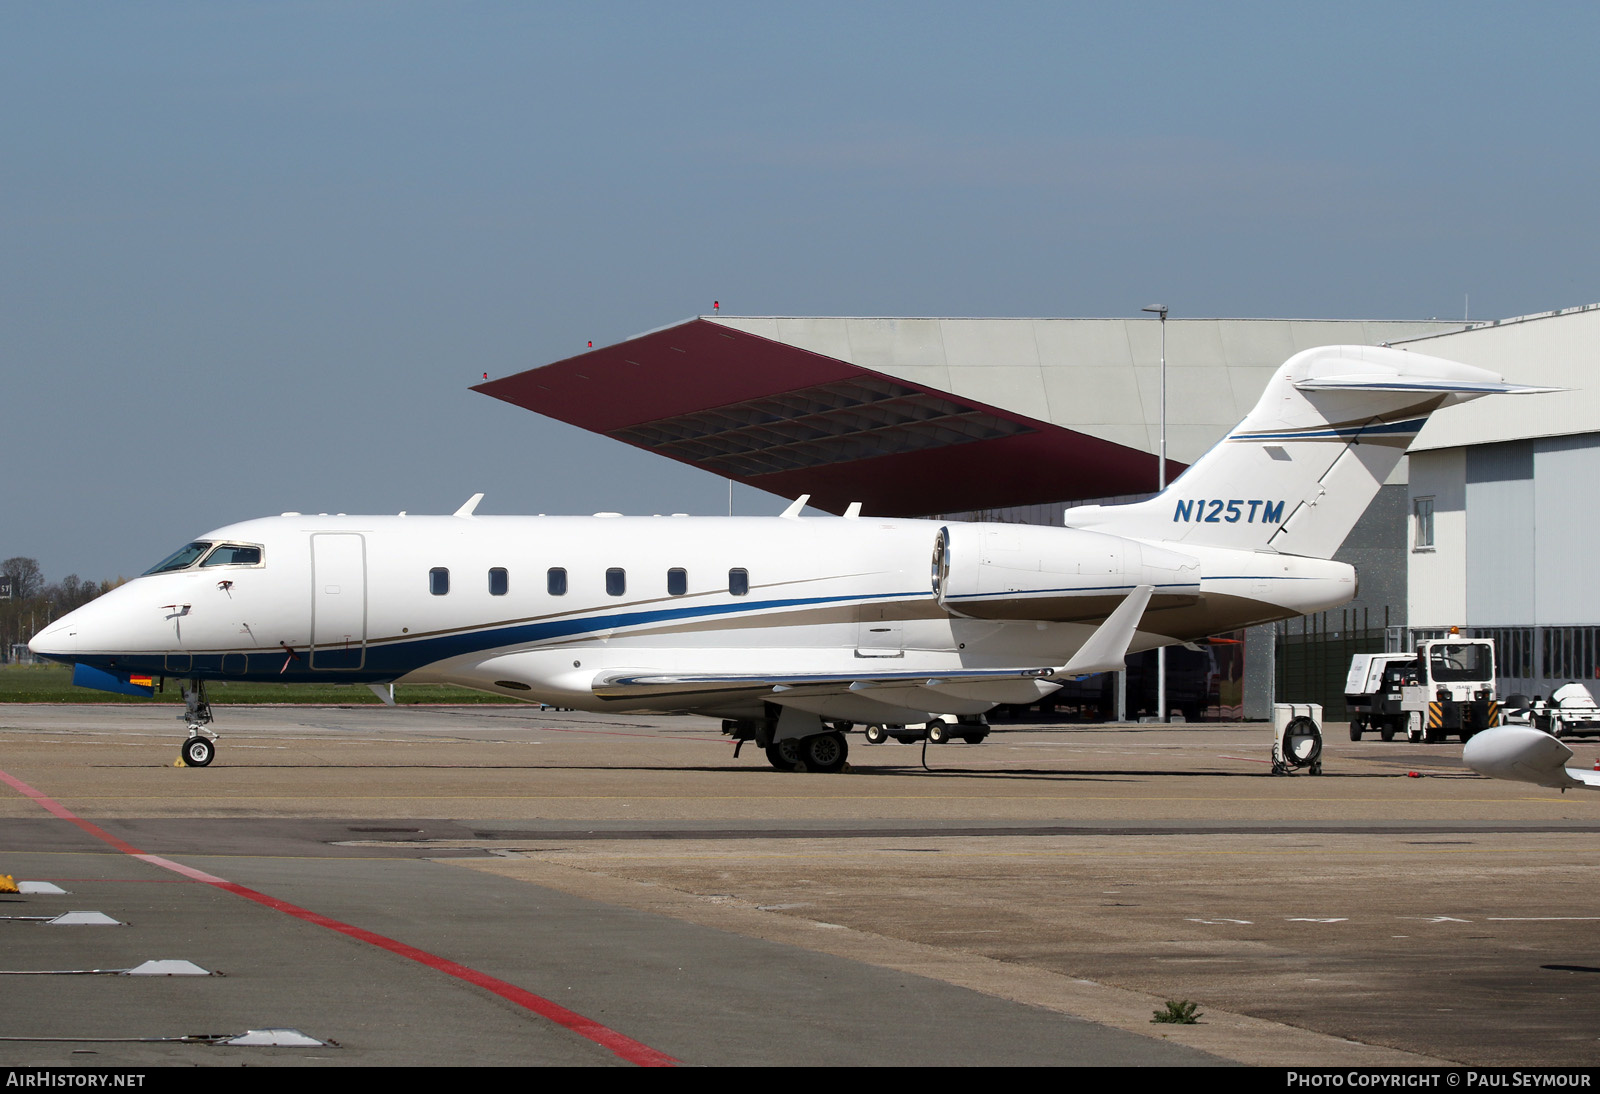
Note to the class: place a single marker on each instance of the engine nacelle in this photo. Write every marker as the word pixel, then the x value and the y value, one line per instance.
pixel 1055 575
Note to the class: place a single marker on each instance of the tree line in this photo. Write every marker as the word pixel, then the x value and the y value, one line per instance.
pixel 34 604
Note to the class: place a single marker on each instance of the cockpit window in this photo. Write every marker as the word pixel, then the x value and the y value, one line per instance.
pixel 233 554
pixel 177 560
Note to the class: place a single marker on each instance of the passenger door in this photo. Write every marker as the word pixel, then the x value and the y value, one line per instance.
pixel 338 601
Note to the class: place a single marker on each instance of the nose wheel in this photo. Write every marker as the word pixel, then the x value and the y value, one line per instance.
pixel 198 751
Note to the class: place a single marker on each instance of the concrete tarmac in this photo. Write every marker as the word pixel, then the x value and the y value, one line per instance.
pixel 431 885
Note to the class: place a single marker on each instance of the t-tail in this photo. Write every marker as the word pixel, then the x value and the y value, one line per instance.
pixel 1301 469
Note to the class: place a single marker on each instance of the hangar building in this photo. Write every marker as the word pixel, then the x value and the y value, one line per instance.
pixel 1015 419
pixel 1504 502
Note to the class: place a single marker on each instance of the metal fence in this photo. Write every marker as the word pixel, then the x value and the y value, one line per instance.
pixel 1312 655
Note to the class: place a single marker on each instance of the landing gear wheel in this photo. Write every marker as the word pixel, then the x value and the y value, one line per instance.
pixel 824 752
pixel 198 751
pixel 938 732
pixel 876 735
pixel 785 754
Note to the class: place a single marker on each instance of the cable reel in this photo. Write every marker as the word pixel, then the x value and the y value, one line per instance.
pixel 1298 741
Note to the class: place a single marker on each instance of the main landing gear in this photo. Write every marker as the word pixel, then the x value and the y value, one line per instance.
pixel 201 747
pixel 793 741
pixel 821 752
pixel 796 741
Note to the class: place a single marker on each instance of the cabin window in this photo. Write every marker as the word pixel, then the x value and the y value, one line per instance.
pixel 616 581
pixel 677 582
pixel 438 581
pixel 498 581
pixel 738 582
pixel 555 581
pixel 1422 519
pixel 233 554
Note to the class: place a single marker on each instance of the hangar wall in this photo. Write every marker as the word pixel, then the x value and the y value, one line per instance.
pixel 1513 488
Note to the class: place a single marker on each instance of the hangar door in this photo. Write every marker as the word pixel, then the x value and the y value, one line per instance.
pixel 338 601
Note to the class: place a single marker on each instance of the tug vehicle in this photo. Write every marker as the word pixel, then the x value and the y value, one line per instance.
pixel 1446 686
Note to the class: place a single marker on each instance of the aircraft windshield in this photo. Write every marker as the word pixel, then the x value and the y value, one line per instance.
pixel 180 558
pixel 1459 663
pixel 233 554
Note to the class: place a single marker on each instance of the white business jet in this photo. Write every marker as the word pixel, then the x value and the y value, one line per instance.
pixel 792 629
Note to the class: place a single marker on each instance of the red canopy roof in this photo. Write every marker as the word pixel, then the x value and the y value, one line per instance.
pixel 790 421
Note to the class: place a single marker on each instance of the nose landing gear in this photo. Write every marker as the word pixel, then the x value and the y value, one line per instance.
pixel 201 747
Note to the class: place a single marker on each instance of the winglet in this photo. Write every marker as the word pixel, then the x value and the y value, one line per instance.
pixel 472 504
pixel 793 512
pixel 1107 648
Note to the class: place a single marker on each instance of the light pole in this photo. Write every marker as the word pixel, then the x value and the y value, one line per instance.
pixel 1161 484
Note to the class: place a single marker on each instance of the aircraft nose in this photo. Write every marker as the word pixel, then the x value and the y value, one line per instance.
pixel 59 641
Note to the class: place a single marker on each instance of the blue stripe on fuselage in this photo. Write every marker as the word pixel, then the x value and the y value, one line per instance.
pixel 389 659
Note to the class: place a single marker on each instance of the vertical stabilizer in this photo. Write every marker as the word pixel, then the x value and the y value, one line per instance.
pixel 1299 471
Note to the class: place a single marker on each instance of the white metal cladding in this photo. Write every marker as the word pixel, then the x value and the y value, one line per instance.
pixel 1500 541
pixel 1556 349
pixel 1515 526
pixel 1567 525
pixel 1436 579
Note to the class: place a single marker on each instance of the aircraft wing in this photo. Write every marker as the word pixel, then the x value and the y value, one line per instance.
pixel 1523 754
pixel 644 684
pixel 864 694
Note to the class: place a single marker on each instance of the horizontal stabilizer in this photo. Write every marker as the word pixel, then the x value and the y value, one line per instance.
pixel 1107 648
pixel 1390 382
pixel 1527 755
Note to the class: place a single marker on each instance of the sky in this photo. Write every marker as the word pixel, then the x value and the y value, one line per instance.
pixel 252 256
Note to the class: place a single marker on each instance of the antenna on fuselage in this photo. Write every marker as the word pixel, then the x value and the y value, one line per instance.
pixel 472 503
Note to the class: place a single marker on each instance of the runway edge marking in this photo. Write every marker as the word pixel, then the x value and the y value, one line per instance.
pixel 621 1045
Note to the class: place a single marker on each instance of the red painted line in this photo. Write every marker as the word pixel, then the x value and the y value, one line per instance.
pixel 55 807
pixel 623 1046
